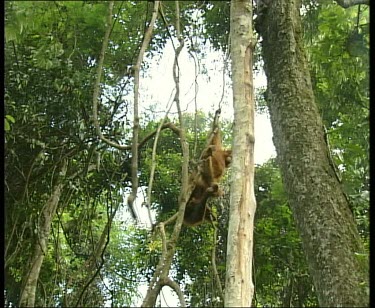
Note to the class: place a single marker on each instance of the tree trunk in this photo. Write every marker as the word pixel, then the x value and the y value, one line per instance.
pixel 27 298
pixel 329 235
pixel 239 287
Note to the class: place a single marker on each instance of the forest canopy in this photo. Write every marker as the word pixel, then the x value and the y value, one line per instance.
pixel 89 149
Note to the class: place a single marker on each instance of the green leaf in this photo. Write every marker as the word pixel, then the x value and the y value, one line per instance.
pixel 361 255
pixel 10 118
pixel 6 125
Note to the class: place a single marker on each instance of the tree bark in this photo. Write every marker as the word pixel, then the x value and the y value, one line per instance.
pixel 27 298
pixel 334 251
pixel 239 287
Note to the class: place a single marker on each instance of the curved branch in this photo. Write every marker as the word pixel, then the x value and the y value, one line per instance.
pixel 95 97
pixel 169 245
pixel 348 3
pixel 145 43
pixel 175 287
pixel 185 187
pixel 169 125
pixel 153 165
pixel 137 68
pixel 196 87
pixel 136 83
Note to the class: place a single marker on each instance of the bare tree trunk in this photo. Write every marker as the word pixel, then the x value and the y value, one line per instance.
pixel 27 298
pixel 331 242
pixel 239 287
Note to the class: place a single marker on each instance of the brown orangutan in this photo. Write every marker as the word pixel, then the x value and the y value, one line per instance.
pixel 214 161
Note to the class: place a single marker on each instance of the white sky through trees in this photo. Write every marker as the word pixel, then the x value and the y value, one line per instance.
pixel 157 84
pixel 157 90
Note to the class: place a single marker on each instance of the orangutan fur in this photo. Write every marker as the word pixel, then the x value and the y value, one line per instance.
pixel 213 163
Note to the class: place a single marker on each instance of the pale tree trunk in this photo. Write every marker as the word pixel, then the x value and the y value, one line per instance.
pixel 331 242
pixel 239 287
pixel 27 298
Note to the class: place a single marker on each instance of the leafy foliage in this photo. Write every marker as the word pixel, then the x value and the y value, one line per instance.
pixel 339 57
pixel 281 274
pixel 51 57
pixel 50 64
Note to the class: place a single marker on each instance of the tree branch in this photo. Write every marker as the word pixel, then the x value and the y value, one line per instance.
pixel 161 273
pixel 348 3
pixel 214 267
pixel 95 97
pixel 169 125
pixel 153 165
pixel 137 68
pixel 196 87
pixel 174 286
pixel 99 75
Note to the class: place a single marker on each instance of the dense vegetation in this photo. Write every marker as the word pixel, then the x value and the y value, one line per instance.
pixel 95 253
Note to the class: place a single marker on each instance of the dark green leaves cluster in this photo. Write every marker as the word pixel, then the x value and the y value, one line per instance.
pixel 338 48
pixel 50 65
pixel 281 274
